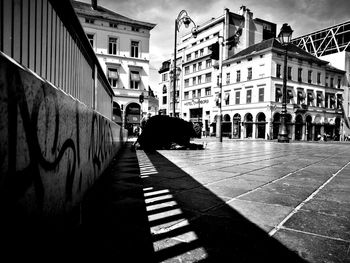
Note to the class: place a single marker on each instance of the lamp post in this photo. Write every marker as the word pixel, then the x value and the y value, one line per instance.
pixel 284 38
pixel 182 18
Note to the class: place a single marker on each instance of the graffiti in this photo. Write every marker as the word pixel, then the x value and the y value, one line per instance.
pixel 101 142
pixel 53 146
pixel 17 182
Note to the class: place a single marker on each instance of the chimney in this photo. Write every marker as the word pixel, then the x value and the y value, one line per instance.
pixel 94 4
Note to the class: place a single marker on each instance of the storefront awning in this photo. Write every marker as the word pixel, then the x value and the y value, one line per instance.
pixel 113 73
pixel 320 96
pixel 278 92
pixel 290 94
pixel 135 76
pixel 301 94
pixel 310 95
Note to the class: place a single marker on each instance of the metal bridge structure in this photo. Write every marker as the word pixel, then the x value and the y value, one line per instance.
pixel 326 41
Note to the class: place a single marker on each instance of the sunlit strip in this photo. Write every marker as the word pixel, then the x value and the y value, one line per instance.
pixel 165 214
pixel 145 165
pixel 164 191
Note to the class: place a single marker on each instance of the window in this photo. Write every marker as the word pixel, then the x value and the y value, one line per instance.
pixel 339 83
pixel 164 100
pixel 278 71
pixel 201 52
pixel 332 83
pixel 310 98
pixel 238 94
pixel 199 79
pixel 207 91
pixel 188 57
pixel 250 74
pixel 227 78
pixel 227 98
pixel 164 76
pixel 194 67
pixel 193 93
pixel 134 79
pixel 115 25
pixel 186 95
pixel 208 77
pixel 326 100
pixel 208 63
pixel 199 93
pixel 196 54
pixel 261 94
pixel 187 82
pixel 164 89
pixel 199 65
pixel 113 77
pixel 278 95
pixel 300 72
pixel 134 49
pixel 319 99
pixel 91 39
pixel 112 46
pixel 89 20
pixel 238 76
pixel 135 29
pixel 289 73
pixel 326 82
pixel 194 81
pixel 318 77
pixel 309 76
pixel 187 70
pixel 249 96
pixel 300 97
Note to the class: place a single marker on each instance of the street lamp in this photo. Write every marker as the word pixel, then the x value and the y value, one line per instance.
pixel 182 18
pixel 284 38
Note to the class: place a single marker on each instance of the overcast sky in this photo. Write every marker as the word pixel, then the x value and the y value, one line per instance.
pixel 304 16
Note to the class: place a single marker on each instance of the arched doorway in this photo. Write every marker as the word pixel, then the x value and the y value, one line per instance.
pixel 317 123
pixel 276 125
pixel 337 129
pixel 261 125
pixel 298 127
pixel 308 123
pixel 248 124
pixel 226 126
pixel 117 113
pixel 289 125
pixel 236 126
pixel 132 118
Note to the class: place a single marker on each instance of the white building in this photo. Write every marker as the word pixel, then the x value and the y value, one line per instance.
pixel 122 47
pixel 333 45
pixel 196 86
pixel 252 93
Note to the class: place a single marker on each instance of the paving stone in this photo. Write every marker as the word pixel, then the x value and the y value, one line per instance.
pixel 315 248
pixel 321 224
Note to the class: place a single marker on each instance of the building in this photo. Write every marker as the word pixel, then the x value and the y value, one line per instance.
pixel 196 83
pixel 122 47
pixel 252 93
pixel 333 45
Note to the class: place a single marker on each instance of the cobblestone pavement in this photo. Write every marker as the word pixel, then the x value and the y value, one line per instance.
pixel 236 201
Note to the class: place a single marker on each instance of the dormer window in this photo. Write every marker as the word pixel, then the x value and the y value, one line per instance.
pixel 115 25
pixel 135 29
pixel 89 20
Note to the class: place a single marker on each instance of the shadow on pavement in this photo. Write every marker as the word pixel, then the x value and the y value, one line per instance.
pixel 146 209
pixel 196 225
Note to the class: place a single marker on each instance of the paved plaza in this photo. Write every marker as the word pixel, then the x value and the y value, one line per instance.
pixel 236 201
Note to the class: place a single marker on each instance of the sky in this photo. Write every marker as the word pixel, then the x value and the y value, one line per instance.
pixel 304 16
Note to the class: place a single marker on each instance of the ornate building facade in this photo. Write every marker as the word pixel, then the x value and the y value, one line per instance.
pixel 121 45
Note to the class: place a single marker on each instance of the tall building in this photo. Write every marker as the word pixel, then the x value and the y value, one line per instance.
pixel 121 45
pixel 333 45
pixel 197 81
pixel 252 94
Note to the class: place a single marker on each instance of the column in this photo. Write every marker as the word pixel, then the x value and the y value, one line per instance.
pixel 303 132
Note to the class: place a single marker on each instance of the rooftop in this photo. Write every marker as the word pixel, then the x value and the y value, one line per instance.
pixel 100 12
